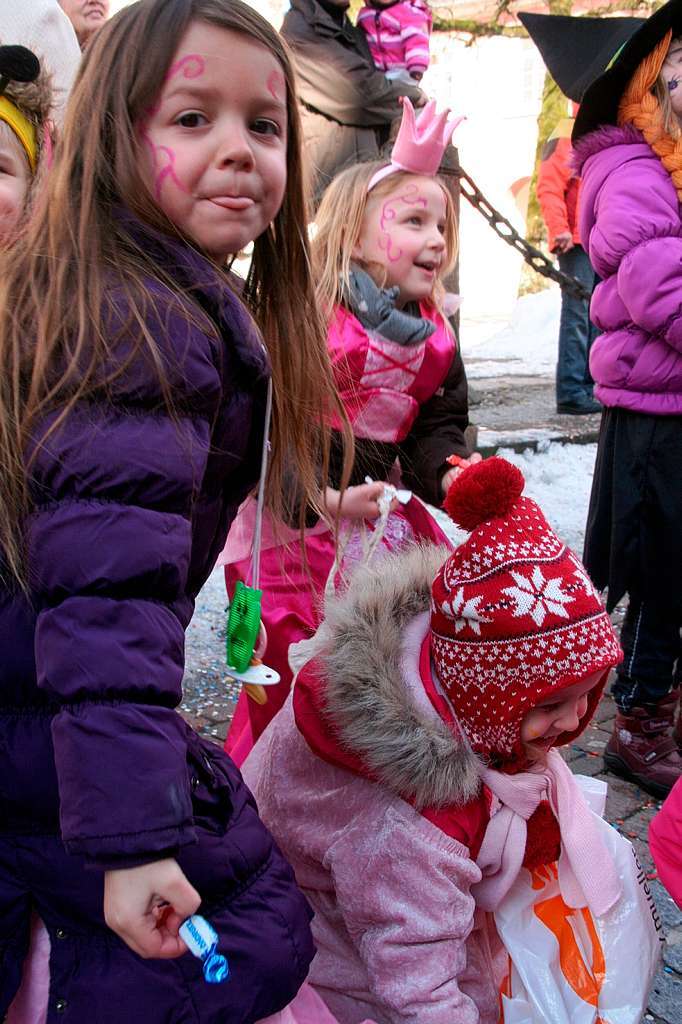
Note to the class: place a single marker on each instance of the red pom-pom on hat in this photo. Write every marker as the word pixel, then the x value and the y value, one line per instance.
pixel 486 490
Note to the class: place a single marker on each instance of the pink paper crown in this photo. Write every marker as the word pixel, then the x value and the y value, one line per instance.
pixel 420 143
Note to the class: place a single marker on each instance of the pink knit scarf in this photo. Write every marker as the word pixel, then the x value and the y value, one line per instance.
pixel 587 875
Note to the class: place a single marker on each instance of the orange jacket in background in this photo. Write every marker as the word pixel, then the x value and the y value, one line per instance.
pixel 558 185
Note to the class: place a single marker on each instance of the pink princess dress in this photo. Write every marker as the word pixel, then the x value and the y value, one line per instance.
pixel 407 402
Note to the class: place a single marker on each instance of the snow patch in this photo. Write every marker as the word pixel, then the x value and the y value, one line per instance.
pixel 527 346
pixel 559 478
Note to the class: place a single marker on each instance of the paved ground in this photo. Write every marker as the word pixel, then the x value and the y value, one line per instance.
pixel 507 407
pixel 519 412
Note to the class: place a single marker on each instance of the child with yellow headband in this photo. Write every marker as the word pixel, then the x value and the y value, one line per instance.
pixel 24 136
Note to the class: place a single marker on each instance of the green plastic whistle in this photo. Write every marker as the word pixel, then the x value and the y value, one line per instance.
pixel 243 624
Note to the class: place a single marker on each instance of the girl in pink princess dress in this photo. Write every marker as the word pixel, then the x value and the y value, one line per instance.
pixel 386 238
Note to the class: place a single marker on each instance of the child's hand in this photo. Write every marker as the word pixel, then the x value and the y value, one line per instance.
pixel 452 474
pixel 145 906
pixel 359 502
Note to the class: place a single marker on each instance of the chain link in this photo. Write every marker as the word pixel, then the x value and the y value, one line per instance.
pixel 508 233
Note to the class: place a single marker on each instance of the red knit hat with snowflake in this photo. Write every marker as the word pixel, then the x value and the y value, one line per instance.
pixel 515 616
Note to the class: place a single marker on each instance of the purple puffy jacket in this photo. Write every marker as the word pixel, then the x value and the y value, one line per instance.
pixel 131 508
pixel 631 227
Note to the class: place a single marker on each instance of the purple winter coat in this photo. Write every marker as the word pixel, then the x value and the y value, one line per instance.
pixel 631 227
pixel 97 768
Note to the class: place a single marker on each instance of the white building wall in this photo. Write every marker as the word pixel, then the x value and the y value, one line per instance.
pixel 497 82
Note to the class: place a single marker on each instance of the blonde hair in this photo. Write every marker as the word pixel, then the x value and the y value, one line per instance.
pixel 339 223
pixel 646 105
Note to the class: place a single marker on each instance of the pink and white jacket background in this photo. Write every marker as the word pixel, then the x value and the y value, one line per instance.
pixel 398 35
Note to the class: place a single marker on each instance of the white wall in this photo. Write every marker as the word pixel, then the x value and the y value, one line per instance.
pixel 497 82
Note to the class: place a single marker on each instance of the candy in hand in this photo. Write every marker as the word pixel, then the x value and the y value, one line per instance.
pixel 202 941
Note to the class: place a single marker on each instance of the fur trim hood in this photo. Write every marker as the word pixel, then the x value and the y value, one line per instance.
pixel 375 710
pixel 34 100
pixel 603 138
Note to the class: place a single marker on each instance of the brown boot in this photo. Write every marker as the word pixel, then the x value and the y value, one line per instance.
pixel 642 748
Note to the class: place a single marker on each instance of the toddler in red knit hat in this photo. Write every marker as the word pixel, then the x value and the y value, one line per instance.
pixel 520 640
pixel 412 775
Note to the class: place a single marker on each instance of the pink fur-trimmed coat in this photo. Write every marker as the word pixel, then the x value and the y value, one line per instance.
pixel 398 936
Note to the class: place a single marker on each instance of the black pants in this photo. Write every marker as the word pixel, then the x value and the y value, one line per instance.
pixel 633 545
pixel 653 655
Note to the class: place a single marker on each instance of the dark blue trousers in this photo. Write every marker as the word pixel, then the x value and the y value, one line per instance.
pixel 576 331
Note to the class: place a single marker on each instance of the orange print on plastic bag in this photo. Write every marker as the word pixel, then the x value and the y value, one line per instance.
pixel 585 979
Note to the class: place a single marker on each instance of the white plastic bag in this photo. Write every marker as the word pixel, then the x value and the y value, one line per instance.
pixel 567 967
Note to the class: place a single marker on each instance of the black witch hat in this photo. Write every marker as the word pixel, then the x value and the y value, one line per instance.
pixel 603 96
pixel 576 50
pixel 593 59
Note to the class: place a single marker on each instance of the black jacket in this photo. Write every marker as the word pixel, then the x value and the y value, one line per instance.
pixel 348 105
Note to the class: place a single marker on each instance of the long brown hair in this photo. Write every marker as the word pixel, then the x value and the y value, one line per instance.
pixel 52 289
pixel 339 224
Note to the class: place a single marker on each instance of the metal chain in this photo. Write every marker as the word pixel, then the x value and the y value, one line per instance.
pixel 508 233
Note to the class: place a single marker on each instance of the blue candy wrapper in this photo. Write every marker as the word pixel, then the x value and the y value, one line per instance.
pixel 202 941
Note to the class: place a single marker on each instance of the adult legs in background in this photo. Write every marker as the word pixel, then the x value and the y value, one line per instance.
pixel 576 334
pixel 633 546
pixel 644 744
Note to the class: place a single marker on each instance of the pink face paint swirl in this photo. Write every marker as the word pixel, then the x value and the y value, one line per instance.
pixel 168 171
pixel 276 84
pixel 411 197
pixel 385 243
pixel 164 156
pixel 191 66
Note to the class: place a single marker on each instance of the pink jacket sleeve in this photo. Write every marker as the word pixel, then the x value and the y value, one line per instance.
pixel 416 29
pixel 406 903
pixel 665 841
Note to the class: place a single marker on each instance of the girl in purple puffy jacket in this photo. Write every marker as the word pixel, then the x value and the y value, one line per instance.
pixel 628 142
pixel 132 395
